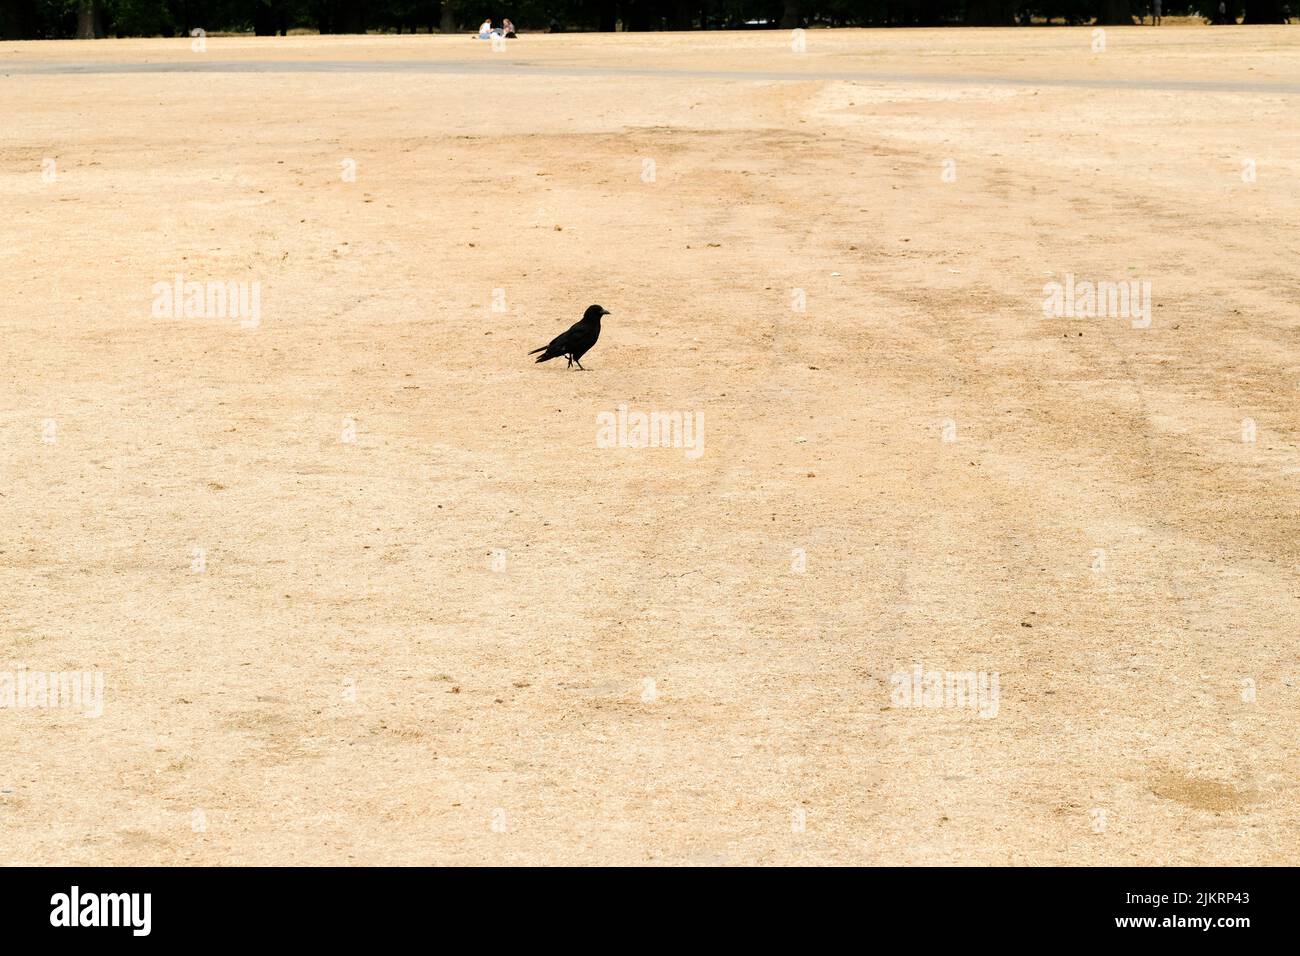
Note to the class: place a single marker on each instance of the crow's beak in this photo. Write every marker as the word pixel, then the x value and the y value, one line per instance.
pixel 605 312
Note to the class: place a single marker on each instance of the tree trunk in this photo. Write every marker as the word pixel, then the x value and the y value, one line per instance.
pixel 447 18
pixel 792 15
pixel 357 16
pixel 86 19
pixel 1113 13
pixel 608 16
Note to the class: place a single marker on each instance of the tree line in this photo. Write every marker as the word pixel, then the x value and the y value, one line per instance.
pixel 52 19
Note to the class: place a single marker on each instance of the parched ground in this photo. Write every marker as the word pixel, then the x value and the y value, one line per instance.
pixel 647 676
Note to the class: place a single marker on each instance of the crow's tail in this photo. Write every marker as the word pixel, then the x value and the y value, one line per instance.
pixel 542 358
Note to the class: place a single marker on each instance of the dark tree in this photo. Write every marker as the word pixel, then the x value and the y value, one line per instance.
pixel 1114 13
pixel 37 19
pixel 86 19
pixel 1264 11
pixel 991 13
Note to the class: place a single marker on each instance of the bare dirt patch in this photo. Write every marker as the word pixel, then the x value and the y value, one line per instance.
pixel 647 677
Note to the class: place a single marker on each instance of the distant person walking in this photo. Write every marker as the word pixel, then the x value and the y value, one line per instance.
pixel 1155 13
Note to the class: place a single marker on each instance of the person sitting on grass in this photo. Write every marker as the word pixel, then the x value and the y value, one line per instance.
pixel 485 30
pixel 508 29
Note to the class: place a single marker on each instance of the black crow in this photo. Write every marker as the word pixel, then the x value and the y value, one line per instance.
pixel 574 343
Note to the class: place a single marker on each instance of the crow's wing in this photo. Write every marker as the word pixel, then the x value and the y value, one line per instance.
pixel 582 338
pixel 561 342
pixel 568 340
pixel 576 338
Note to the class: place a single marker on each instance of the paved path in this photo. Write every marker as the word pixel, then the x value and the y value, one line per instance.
pixel 511 67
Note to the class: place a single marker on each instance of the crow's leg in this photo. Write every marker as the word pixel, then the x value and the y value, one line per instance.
pixel 580 368
pixel 570 358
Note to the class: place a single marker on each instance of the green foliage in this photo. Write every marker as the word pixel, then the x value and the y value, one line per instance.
pixel 139 17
